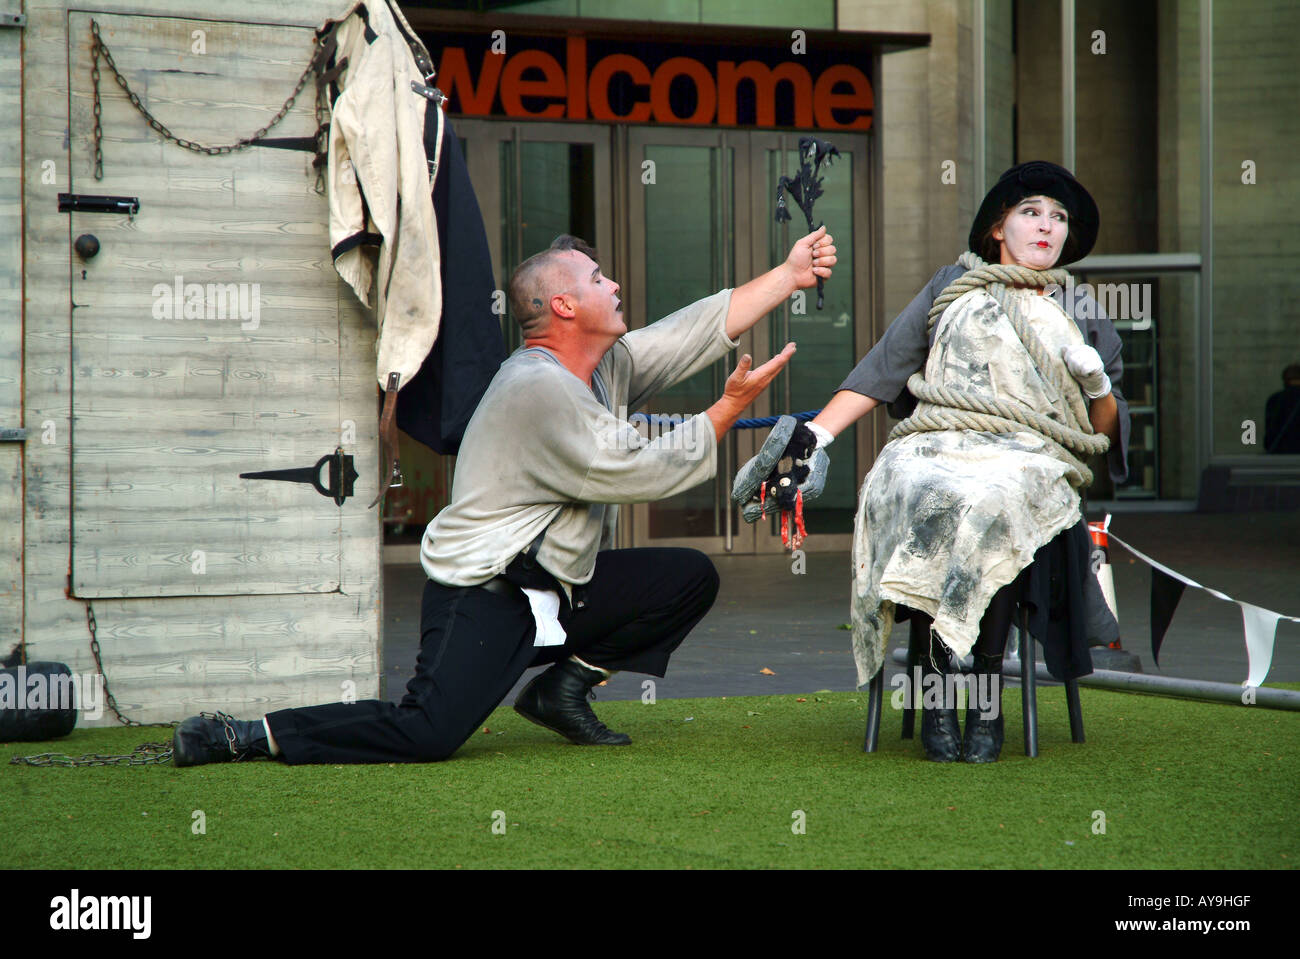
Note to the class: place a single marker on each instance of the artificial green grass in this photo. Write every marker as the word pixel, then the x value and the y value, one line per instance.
pixel 707 783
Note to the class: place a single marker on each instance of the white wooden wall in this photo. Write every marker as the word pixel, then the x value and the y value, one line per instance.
pixel 153 418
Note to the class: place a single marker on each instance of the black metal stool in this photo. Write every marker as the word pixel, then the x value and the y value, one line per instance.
pixel 1028 694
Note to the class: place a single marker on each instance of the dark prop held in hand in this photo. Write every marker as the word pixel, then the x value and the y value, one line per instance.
pixel 787 471
pixel 807 187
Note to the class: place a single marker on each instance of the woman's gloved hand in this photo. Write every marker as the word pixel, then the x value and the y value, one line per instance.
pixel 1085 365
pixel 791 465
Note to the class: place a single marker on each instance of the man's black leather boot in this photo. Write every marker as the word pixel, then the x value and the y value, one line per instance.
pixel 557 700
pixel 217 738
pixel 940 734
pixel 984 735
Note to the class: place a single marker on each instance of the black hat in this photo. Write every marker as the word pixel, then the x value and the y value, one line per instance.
pixel 1032 179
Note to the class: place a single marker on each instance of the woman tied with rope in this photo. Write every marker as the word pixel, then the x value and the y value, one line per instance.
pixel 974 506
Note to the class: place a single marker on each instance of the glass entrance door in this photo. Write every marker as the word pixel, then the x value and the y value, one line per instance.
pixel 678 214
pixel 689 237
pixel 831 340
pixel 702 210
pixel 535 181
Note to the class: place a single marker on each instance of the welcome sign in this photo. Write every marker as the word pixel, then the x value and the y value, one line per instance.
pixel 621 81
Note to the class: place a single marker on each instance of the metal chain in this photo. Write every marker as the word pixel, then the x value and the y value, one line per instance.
pixel 146 754
pixel 99 667
pixel 98 109
pixel 322 131
pixel 98 49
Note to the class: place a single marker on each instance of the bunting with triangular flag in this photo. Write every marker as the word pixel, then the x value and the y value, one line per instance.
pixel 1166 591
pixel 1259 624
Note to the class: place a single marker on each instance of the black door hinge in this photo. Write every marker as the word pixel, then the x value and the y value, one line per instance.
pixel 341 475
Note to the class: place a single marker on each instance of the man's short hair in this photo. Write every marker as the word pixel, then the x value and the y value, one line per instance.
pixel 533 283
pixel 1291 374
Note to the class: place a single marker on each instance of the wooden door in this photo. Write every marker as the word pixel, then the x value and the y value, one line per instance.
pixel 205 330
pixel 206 590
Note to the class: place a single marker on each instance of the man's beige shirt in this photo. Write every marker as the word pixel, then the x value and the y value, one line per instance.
pixel 542 452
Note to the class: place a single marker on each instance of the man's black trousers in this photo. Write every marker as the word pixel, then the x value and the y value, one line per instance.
pixel 475 644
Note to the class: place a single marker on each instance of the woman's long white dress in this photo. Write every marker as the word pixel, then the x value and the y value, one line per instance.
pixel 947 517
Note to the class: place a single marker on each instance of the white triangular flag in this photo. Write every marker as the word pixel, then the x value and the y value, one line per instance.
pixel 1261 627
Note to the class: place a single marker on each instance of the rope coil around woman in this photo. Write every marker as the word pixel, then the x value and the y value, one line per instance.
pixel 946 408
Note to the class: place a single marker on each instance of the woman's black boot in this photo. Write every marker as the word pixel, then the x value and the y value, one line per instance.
pixel 940 734
pixel 984 726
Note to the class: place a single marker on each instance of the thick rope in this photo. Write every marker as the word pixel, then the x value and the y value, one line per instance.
pixel 945 408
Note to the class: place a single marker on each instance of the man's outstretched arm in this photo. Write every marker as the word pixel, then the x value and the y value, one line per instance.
pixel 810 258
pixel 608 461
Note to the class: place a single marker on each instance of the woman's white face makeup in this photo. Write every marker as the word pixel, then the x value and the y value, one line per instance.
pixel 1034 233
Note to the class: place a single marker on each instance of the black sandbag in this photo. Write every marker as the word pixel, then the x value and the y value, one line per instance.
pixel 39 685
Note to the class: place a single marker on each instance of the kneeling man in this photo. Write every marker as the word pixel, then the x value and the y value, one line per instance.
pixel 517 576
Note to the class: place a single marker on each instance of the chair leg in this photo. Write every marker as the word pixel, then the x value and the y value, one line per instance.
pixel 1076 710
pixel 1028 684
pixel 876 695
pixel 918 645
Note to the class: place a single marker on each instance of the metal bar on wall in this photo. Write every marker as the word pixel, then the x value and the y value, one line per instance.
pixel 1067 84
pixel 1205 313
pixel 718 244
pixel 516 176
pixel 874 438
pixel 619 240
pixel 981 127
pixel 728 206
pixel 1138 263
pixel 785 305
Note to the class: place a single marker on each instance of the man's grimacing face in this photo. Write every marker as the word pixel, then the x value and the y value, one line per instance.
pixel 598 304
pixel 1034 232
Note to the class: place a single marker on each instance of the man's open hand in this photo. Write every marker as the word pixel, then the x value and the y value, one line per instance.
pixel 812 257
pixel 744 386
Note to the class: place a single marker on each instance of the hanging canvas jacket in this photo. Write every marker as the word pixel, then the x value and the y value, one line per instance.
pixel 382 230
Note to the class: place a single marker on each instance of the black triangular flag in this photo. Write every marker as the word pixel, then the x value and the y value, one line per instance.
pixel 1165 594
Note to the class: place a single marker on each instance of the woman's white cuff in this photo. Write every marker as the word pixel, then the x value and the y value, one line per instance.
pixel 824 436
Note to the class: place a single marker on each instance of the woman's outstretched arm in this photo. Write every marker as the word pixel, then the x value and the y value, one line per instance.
pixel 845 408
pixel 900 352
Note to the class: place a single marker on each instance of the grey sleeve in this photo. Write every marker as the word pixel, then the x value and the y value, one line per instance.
pixel 1103 338
pixel 579 452
pixel 681 344
pixel 882 374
